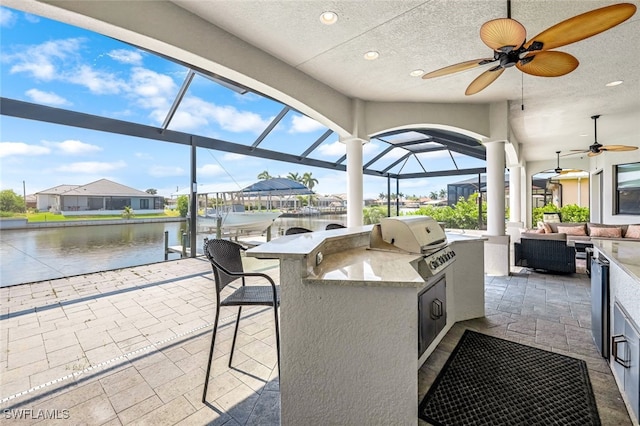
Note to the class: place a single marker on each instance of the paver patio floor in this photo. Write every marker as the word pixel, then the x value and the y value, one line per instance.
pixel 130 346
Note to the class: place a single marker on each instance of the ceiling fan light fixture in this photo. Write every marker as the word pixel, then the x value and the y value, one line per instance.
pixel 329 18
pixel 507 38
pixel 614 83
pixel 371 55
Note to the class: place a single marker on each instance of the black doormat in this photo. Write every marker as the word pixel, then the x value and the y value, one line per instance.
pixel 492 381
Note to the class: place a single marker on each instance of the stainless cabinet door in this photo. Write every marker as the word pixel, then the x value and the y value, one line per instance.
pixel 632 377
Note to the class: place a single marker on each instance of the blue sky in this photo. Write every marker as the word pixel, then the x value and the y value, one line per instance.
pixel 54 64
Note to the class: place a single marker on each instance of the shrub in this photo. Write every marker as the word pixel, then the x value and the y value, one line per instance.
pixel 372 215
pixel 463 215
pixel 183 205
pixel 11 202
pixel 569 213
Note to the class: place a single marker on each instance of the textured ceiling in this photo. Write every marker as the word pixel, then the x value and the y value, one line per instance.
pixel 431 34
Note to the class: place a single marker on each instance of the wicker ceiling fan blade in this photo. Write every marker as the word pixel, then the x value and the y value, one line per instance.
pixel 575 152
pixel 618 148
pixel 483 80
pixel 503 35
pixel 462 66
pixel 583 26
pixel 548 64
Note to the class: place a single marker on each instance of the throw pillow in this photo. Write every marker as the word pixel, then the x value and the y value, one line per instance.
pixel 633 231
pixel 547 228
pixel 597 231
pixel 572 230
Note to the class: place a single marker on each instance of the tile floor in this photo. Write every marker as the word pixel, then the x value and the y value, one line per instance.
pixel 130 346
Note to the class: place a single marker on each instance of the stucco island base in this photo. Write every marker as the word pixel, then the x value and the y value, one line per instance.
pixel 349 326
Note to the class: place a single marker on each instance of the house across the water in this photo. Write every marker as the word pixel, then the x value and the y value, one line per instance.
pixel 100 197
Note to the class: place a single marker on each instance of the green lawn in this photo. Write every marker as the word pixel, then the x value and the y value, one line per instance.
pixel 50 217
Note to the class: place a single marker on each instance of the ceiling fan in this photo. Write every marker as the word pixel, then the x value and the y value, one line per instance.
pixel 507 38
pixel 559 170
pixel 597 148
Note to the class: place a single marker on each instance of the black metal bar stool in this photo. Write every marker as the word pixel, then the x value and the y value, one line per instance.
pixel 226 262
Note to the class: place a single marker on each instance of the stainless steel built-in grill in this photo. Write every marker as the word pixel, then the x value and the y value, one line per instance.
pixel 424 236
pixel 415 234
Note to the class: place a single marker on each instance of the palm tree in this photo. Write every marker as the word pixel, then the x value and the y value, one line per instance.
pixel 294 177
pixel 127 213
pixel 264 175
pixel 433 195
pixel 382 196
pixel 308 180
pixel 443 194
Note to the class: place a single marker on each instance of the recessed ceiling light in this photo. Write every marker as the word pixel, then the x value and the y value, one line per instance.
pixel 371 55
pixel 416 73
pixel 614 83
pixel 329 18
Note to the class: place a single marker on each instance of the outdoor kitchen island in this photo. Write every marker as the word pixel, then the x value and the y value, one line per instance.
pixel 349 322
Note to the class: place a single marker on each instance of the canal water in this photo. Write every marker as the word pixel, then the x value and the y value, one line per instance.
pixel 29 255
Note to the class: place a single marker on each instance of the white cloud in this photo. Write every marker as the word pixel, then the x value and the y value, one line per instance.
pixel 230 156
pixel 48 98
pixel 7 17
pixel 197 112
pixel 332 149
pixel 426 156
pixel 155 92
pixel 73 147
pixel 370 147
pixel 210 170
pixel 165 171
pixel 33 19
pixel 151 85
pixel 304 124
pixel 91 167
pixel 124 56
pixel 247 97
pixel 8 149
pixel 43 60
pixel 182 120
pixel 143 156
pixel 337 148
pixel 98 82
pixel 394 154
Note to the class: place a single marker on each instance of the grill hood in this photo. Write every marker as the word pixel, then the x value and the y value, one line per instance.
pixel 415 234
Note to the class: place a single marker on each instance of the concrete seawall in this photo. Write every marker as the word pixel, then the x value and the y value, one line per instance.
pixel 10 224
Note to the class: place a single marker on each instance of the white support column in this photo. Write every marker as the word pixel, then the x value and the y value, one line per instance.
pixel 495 188
pixel 355 198
pixel 497 247
pixel 515 193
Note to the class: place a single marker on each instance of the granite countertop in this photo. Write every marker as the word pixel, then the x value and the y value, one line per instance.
pixel 368 267
pixel 625 254
pixel 457 238
pixel 300 245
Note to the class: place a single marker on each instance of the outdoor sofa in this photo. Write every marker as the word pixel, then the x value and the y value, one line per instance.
pixel 552 246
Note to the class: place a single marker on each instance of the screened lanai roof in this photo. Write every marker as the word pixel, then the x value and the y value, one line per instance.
pixel 113 87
